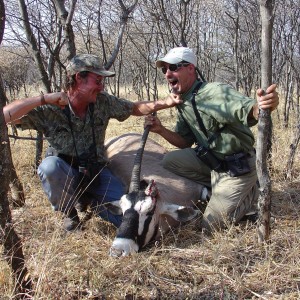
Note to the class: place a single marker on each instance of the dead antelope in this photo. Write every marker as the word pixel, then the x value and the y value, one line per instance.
pixel 160 201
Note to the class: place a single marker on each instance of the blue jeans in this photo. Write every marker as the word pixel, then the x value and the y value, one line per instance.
pixel 58 180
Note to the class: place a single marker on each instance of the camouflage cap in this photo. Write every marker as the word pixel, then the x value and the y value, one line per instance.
pixel 87 62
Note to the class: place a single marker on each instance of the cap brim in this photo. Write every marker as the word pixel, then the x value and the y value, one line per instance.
pixel 169 60
pixel 104 73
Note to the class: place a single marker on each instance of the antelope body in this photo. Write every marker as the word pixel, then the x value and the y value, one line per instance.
pixel 151 209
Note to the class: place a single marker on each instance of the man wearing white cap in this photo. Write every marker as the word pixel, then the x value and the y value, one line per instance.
pixel 74 123
pixel 216 118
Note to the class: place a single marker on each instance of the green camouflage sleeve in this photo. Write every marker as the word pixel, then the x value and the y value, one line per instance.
pixel 38 118
pixel 114 107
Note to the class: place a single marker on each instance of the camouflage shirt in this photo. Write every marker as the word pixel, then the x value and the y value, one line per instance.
pixel 57 127
pixel 218 104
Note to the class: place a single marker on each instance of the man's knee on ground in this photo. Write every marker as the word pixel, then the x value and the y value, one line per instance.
pixel 219 219
pixel 213 222
pixel 49 166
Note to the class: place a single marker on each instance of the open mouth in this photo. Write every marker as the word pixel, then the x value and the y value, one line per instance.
pixel 173 82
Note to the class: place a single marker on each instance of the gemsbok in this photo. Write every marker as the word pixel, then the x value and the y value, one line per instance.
pixel 157 199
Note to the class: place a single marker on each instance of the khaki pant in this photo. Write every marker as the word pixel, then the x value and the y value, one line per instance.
pixel 232 197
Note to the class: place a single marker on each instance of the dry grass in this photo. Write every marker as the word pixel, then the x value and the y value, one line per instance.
pixel 183 265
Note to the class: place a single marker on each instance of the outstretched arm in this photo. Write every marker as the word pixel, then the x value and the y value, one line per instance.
pixel 18 108
pixel 147 107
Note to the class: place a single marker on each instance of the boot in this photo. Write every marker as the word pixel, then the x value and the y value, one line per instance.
pixel 71 220
pixel 251 217
pixel 204 199
pixel 83 202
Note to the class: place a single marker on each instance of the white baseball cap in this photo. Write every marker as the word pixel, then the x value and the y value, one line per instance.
pixel 177 55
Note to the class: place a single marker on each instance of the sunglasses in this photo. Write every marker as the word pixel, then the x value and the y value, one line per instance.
pixel 174 67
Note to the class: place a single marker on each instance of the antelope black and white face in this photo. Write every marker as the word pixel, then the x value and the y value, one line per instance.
pixel 141 216
pixel 140 222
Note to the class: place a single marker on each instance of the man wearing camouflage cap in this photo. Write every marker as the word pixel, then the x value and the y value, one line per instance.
pixel 74 123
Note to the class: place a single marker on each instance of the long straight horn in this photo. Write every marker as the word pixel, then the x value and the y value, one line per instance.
pixel 136 170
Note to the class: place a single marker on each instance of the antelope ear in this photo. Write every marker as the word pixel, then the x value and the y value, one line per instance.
pixel 180 213
pixel 114 207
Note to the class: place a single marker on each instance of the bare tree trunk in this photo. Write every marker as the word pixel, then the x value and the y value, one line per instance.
pixel 66 19
pixel 183 23
pixel 235 20
pixel 2 20
pixel 293 148
pixel 288 99
pixel 38 149
pixel 264 123
pixel 124 19
pixel 39 62
pixel 34 46
pixel 12 244
pixel 16 187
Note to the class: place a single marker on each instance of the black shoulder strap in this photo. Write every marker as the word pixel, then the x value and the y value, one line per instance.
pixel 91 111
pixel 199 119
pixel 68 114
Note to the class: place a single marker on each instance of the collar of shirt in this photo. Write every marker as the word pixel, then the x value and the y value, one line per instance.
pixel 188 95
